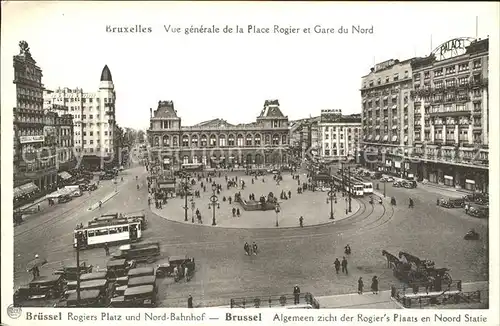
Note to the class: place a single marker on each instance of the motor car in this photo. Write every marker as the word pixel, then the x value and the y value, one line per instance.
pixel 69 272
pixel 64 199
pixel 88 298
pixel 166 266
pixel 43 287
pixel 451 202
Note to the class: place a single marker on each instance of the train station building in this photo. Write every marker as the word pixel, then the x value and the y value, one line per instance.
pixel 217 143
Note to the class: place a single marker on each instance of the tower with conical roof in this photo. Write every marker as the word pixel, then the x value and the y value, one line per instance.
pixel 106 79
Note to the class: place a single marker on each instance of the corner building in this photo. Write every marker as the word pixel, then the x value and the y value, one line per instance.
pixel 451 99
pixel 387 117
pixel 339 135
pixel 93 116
pixel 217 143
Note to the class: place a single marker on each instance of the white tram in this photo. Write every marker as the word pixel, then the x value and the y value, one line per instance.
pixel 112 232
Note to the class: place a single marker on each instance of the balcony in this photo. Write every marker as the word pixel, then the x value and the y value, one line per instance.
pixel 449 113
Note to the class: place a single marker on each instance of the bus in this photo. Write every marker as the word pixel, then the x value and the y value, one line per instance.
pixel 111 232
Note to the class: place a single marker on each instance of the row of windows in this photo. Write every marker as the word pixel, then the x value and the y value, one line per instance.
pixel 30 92
pixel 240 140
pixel 83 100
pixel 449 70
pixel 395 77
pixel 91 133
pixel 115 230
pixel 91 150
pixel 91 141
pixel 341 129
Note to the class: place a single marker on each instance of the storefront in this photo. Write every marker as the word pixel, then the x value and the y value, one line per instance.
pixel 448 181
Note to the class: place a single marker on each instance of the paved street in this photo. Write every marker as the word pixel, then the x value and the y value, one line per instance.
pixel 287 256
pixel 311 205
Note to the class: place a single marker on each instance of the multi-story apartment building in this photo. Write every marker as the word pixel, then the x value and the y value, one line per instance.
pixel 93 118
pixel 34 160
pixel 217 143
pixel 451 99
pixel 305 138
pixel 387 116
pixel 339 135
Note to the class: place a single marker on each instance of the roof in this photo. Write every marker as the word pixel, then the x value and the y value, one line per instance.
pixel 165 110
pixel 92 276
pixel 271 109
pixel 139 290
pixel 93 283
pixel 218 123
pixel 106 74
pixel 116 262
pixel 141 270
pixel 135 281
pixel 84 295
pixel 44 279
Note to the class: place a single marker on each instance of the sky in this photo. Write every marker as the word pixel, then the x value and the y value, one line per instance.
pixel 227 75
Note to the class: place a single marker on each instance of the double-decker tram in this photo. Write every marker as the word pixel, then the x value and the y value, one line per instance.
pixel 117 231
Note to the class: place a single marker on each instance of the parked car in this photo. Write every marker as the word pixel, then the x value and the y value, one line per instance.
pixel 386 179
pixel 451 202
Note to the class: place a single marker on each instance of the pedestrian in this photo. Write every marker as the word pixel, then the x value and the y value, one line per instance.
pixel 238 212
pixel 254 248
pixel 190 301
pixel 301 221
pixel 100 204
pixel 360 285
pixel 234 212
pixel 246 247
pixel 289 194
pixel 296 294
pixel 336 263
pixel 230 200
pixel 38 207
pixel 186 273
pixel 344 265
pixel 106 248
pixel 374 285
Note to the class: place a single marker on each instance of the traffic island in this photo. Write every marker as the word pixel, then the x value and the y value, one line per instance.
pixel 103 200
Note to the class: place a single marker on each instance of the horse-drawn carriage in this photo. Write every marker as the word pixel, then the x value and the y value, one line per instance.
pixel 413 270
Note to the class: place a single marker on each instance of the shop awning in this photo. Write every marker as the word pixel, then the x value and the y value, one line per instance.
pixel 385 97
pixel 394 106
pixel 386 107
pixel 65 175
pixel 167 185
pixel 370 137
pixel 394 138
pixel 25 189
pixel 377 137
pixel 394 127
pixel 364 101
pixel 406 138
pixel 386 137
pixel 406 105
pixel 406 126
pixel 394 96
pixel 377 127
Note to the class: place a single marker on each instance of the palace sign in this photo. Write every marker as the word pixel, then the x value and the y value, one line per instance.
pixel 452 48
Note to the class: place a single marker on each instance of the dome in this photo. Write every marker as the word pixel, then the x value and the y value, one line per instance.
pixel 106 74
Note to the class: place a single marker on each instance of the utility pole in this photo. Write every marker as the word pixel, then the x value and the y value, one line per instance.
pixel 343 180
pixel 186 198
pixel 350 188
pixel 78 242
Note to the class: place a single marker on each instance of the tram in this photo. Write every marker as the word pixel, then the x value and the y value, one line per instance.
pixel 112 232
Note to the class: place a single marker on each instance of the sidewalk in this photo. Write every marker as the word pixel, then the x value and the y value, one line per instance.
pixel 383 300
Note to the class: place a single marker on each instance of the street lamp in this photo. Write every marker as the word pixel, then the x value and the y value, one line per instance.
pixel 213 202
pixel 331 198
pixel 193 206
pixel 277 210
pixel 350 188
pixel 185 188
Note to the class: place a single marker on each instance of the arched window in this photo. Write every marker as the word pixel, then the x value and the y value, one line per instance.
pixel 213 140
pixel 185 141
pixel 194 141
pixel 174 141
pixel 276 140
pixel 195 158
pixel 249 140
pixel 185 159
pixel 283 139
pixel 203 140
pixel 239 140
pixel 222 140
pixel 230 140
pixel 157 141
pixel 268 139
pixel 257 140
